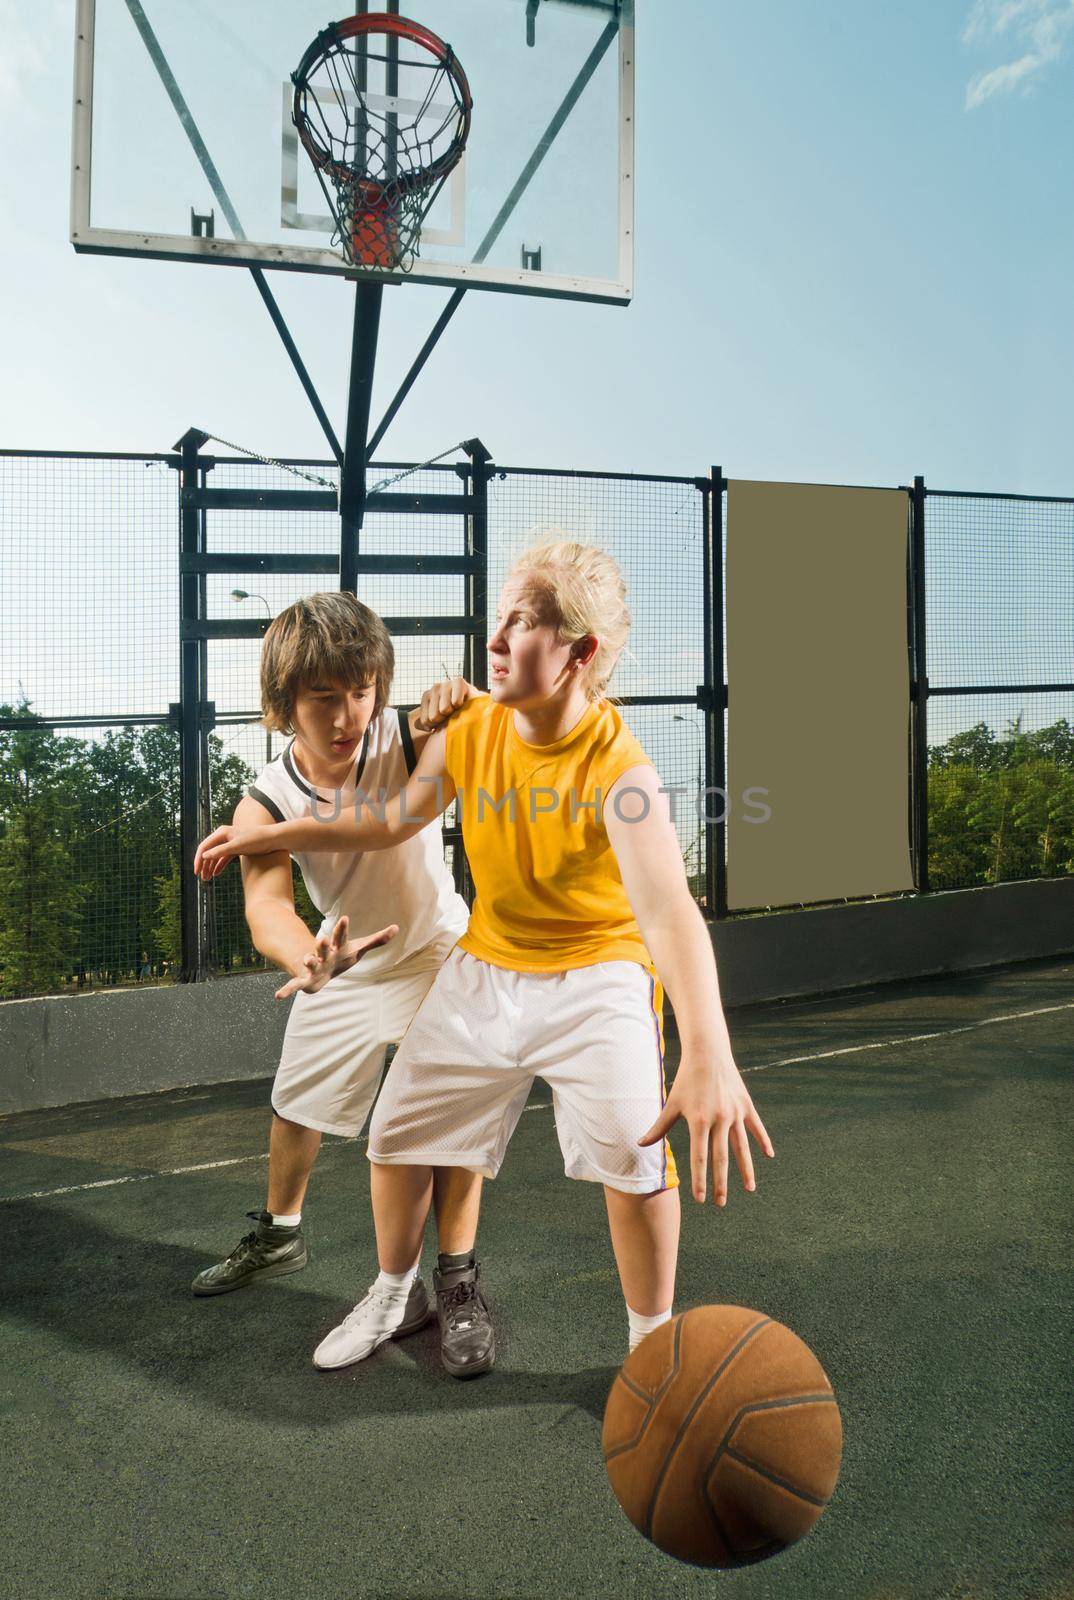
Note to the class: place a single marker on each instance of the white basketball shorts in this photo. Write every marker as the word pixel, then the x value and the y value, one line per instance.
pixel 464 1070
pixel 336 1040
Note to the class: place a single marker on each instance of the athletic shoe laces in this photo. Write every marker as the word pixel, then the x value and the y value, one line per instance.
pixel 375 1298
pixel 248 1240
pixel 244 1246
pixel 457 1299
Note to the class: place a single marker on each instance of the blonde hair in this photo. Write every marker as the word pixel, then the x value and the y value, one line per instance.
pixel 326 638
pixel 586 593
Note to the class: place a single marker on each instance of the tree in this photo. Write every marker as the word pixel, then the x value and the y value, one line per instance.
pixel 40 897
pixel 1001 809
pixel 168 932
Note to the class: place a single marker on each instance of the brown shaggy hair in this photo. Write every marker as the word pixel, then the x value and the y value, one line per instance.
pixel 326 638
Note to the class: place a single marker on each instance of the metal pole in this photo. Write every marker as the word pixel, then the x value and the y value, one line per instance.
pixel 477 524
pixel 244 594
pixel 716 743
pixel 475 658
pixel 707 693
pixel 920 691
pixel 367 302
pixel 207 949
pixel 190 717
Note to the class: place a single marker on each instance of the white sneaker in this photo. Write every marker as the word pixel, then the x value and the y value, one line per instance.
pixel 375 1319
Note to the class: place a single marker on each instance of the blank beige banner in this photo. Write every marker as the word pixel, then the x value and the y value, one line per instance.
pixel 818 694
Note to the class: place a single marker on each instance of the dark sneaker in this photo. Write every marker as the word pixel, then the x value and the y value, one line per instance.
pixel 467 1337
pixel 267 1252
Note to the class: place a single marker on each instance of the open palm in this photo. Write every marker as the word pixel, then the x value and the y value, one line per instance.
pixel 332 956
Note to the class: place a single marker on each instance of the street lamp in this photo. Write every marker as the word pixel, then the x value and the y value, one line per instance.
pixel 244 594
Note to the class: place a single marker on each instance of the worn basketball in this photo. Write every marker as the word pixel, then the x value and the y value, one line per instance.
pixel 722 1437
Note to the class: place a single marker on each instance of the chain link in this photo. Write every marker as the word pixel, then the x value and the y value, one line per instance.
pixel 270 461
pixel 386 483
pixel 326 483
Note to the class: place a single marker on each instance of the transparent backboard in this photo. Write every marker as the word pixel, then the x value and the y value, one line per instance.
pixel 184 146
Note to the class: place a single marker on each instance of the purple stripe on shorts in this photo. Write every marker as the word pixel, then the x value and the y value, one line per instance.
pixel 660 1058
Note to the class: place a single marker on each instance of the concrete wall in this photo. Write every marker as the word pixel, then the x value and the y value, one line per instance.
pixel 59 1051
pixel 798 953
pixel 63 1050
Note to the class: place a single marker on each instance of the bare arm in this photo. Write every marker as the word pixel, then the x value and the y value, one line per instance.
pixel 277 930
pixel 708 1090
pixel 367 827
pixel 650 862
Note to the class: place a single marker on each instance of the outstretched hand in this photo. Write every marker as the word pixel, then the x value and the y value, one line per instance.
pixel 331 956
pixel 719 1113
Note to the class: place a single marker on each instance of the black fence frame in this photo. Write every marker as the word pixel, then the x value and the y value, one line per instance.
pixel 194 715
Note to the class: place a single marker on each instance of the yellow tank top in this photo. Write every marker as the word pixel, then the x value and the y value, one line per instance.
pixel 549 892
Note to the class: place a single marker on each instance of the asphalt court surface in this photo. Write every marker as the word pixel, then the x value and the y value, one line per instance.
pixel 914 1229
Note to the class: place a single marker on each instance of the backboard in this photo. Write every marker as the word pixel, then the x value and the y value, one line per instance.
pixel 184 147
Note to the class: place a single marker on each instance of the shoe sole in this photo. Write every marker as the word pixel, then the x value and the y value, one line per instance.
pixel 469 1369
pixel 413 1326
pixel 279 1271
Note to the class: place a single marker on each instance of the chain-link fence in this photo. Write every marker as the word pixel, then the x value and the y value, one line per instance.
pixel 90 796
pixel 1000 587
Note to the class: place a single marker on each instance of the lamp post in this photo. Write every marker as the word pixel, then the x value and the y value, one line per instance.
pixel 244 594
pixel 700 784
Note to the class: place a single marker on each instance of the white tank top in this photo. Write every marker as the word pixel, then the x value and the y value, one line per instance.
pixel 409 884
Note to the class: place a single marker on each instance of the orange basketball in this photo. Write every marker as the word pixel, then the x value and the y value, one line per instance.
pixel 722 1437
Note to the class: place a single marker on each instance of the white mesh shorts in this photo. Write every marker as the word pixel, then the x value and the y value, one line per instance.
pixel 336 1040
pixel 462 1074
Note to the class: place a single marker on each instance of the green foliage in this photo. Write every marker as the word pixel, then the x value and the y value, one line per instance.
pixel 40 898
pixel 304 905
pixel 91 880
pixel 168 930
pixel 90 875
pixel 229 937
pixel 1001 809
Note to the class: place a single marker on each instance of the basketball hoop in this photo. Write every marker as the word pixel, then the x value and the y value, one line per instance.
pixel 381 159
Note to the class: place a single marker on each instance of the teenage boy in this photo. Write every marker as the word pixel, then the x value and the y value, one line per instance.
pixel 390 919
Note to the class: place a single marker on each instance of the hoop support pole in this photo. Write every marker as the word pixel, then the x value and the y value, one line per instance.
pixel 352 488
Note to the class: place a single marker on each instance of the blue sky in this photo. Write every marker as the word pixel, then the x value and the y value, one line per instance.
pixel 855 252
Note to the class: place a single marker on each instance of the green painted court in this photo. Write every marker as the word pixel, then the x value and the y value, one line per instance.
pixel 914 1230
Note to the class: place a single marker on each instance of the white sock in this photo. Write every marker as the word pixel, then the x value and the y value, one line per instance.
pixel 279 1221
pixel 397 1284
pixel 640 1326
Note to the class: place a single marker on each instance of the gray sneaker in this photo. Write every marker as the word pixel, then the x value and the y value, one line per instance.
pixel 467 1337
pixel 266 1252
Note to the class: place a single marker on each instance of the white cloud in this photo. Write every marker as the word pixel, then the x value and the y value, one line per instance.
pixel 1040 27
